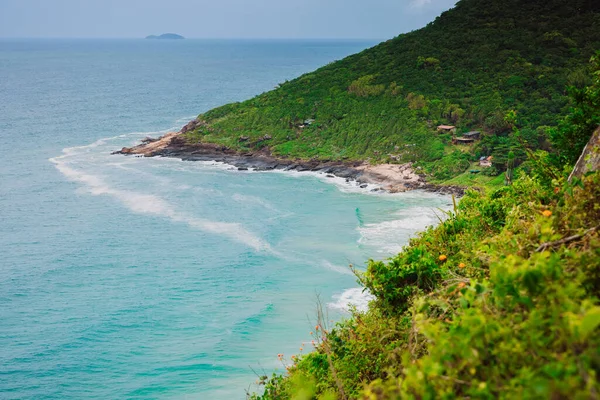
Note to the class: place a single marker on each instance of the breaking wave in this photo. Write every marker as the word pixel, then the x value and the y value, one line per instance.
pixel 74 165
pixel 355 297
pixel 390 236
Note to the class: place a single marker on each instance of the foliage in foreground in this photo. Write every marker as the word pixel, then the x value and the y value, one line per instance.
pixel 501 299
pixel 498 301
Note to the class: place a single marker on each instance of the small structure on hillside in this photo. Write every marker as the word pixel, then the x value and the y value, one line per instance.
pixel 306 123
pixel 466 138
pixel 485 161
pixel 475 135
pixel 446 129
pixel 462 140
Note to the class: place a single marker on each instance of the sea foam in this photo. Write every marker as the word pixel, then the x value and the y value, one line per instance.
pixel 72 164
pixel 358 298
pixel 344 270
pixel 390 236
pixel 343 184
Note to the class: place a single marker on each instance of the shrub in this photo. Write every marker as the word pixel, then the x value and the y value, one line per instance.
pixel 362 87
pixel 500 300
pixel 428 62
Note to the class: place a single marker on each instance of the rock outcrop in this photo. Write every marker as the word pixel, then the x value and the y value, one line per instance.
pixel 589 160
pixel 393 178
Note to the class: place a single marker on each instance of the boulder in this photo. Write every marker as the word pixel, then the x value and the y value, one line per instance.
pixel 190 126
pixel 396 188
pixel 589 160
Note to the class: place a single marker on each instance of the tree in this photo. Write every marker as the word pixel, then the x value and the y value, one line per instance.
pixel 574 131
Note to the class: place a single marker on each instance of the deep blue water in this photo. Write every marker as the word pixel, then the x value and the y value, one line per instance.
pixel 124 277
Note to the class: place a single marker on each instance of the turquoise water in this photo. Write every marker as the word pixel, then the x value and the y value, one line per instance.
pixel 126 277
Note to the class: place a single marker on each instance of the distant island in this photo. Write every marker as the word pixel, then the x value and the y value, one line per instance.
pixel 166 36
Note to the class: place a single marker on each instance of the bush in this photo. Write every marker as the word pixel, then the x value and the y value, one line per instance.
pixel 448 166
pixel 362 87
pixel 491 303
pixel 428 62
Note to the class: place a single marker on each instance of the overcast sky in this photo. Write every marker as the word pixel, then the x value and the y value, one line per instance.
pixel 378 19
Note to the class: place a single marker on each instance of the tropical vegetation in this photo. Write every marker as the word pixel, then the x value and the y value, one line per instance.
pixel 501 299
pixel 472 67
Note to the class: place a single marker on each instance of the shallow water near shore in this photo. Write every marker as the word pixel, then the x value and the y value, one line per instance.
pixel 154 277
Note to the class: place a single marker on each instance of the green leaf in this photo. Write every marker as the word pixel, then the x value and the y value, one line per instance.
pixel 590 322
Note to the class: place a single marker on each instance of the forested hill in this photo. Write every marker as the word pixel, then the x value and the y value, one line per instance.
pixel 501 300
pixel 469 67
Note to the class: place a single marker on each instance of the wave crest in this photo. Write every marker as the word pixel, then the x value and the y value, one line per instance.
pixel 70 165
pixel 355 297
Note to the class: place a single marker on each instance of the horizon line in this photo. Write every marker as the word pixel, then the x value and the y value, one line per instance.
pixel 185 38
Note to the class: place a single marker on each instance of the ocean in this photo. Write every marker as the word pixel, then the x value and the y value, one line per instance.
pixel 125 277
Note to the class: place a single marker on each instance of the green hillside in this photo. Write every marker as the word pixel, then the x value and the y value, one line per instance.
pixel 502 298
pixel 469 68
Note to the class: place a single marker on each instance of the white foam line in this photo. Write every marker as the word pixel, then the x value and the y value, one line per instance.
pixel 123 166
pixel 350 186
pixel 390 236
pixel 248 199
pixel 150 204
pixel 337 268
pixel 357 297
pixel 174 163
pixel 76 149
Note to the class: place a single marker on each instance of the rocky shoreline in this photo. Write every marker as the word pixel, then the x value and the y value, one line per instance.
pixel 392 178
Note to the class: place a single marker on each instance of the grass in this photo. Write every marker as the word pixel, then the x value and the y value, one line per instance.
pixel 476 181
